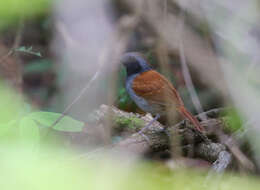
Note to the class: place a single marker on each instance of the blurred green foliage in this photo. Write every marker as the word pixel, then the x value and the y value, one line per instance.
pixel 131 122
pixel 25 169
pixel 124 101
pixel 11 11
pixel 233 120
pixel 18 125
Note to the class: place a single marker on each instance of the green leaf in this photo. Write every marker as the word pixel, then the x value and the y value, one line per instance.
pixel 46 119
pixel 38 54
pixel 22 48
pixel 39 66
pixel 28 50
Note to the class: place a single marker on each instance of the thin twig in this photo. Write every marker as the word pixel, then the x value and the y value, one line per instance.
pixel 187 76
pixel 61 29
pixel 204 137
pixel 9 53
pixel 231 143
pixel 223 161
pixel 67 109
pixel 18 36
pixel 103 59
pixel 16 43
pixel 208 113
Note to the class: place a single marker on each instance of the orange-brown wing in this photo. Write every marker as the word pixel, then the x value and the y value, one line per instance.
pixel 155 88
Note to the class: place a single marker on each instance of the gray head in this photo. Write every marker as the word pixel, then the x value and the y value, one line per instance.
pixel 135 63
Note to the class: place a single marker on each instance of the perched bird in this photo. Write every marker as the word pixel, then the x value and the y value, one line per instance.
pixel 151 91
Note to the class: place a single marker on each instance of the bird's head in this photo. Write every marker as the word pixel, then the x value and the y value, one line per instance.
pixel 135 63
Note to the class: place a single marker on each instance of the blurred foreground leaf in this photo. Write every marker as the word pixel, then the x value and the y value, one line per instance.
pixel 11 109
pixel 12 11
pixel 29 131
pixel 23 169
pixel 11 105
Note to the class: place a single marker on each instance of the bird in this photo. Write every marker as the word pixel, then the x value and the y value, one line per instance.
pixel 151 91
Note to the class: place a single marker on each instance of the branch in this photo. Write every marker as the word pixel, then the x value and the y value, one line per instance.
pixel 133 123
pixel 186 73
pixel 16 43
pixel 158 137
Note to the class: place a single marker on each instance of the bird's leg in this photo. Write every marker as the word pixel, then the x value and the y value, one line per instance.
pixel 157 116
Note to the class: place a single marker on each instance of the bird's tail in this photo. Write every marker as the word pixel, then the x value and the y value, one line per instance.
pixel 191 118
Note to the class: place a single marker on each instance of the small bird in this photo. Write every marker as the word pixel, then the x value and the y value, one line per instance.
pixel 151 91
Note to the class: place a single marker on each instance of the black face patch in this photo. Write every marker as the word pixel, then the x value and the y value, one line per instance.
pixel 133 67
pixel 134 63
